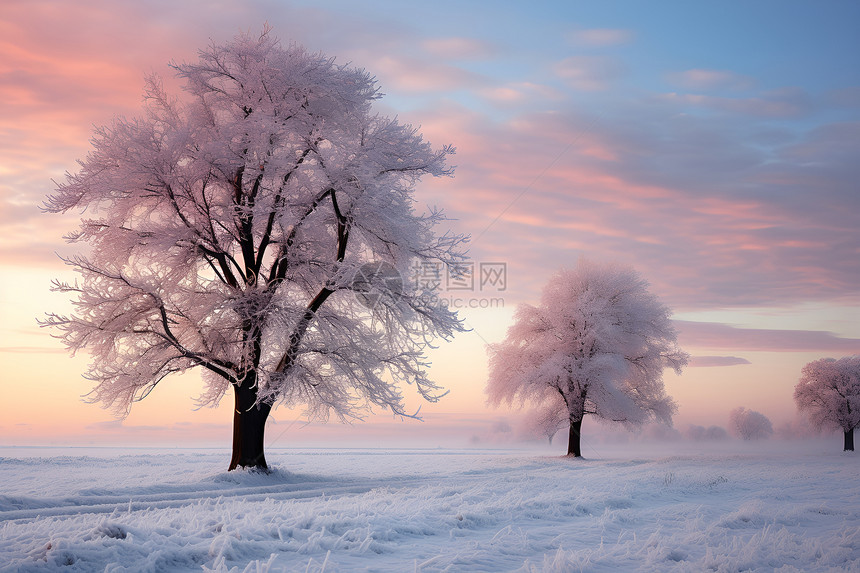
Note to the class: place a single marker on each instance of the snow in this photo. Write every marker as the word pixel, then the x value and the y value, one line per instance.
pixel 768 506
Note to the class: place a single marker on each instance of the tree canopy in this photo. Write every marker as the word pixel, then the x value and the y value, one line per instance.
pixel 225 230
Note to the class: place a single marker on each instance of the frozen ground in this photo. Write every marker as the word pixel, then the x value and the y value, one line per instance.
pixel 734 507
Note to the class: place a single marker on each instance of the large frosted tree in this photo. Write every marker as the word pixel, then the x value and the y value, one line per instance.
pixel 597 344
pixel 829 394
pixel 226 230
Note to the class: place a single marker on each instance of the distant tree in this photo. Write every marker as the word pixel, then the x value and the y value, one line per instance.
pixel 658 432
pixel 749 424
pixel 829 394
pixel 233 230
pixel 545 421
pixel 799 429
pixel 597 344
pixel 701 433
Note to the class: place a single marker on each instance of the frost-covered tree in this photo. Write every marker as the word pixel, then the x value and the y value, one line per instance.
pixel 749 424
pixel 829 394
pixel 597 344
pixel 545 420
pixel 226 230
pixel 701 433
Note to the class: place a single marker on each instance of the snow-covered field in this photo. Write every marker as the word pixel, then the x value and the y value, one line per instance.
pixel 773 506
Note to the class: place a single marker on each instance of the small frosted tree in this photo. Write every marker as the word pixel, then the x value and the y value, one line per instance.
pixel 545 421
pixel 829 394
pixel 701 433
pixel 252 230
pixel 597 344
pixel 749 424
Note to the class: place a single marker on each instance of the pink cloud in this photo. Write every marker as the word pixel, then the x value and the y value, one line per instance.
pixel 589 73
pixel 415 75
pixel 723 336
pixel 601 37
pixel 459 48
pixel 565 185
pixel 716 361
pixel 519 93
pixel 706 80
pixel 782 104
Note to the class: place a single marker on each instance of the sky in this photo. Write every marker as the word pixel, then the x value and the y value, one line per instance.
pixel 712 146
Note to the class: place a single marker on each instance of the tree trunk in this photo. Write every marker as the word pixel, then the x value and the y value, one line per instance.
pixel 249 425
pixel 849 440
pixel 573 448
